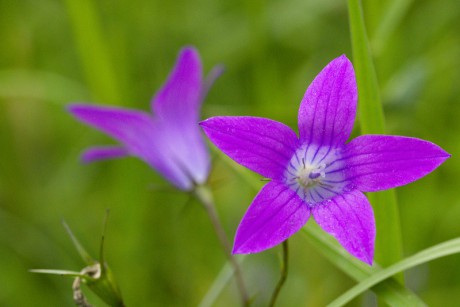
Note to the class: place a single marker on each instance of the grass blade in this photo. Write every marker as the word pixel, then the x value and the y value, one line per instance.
pixel 441 250
pixel 81 250
pixel 388 242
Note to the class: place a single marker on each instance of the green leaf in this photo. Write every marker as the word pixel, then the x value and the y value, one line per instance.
pixel 441 250
pixel 388 247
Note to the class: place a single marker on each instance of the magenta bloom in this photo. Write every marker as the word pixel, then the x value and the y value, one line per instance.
pixel 318 173
pixel 170 141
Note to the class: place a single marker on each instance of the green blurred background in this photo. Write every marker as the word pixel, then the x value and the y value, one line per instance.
pixel 160 243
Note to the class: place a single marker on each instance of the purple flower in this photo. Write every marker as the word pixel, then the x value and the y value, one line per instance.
pixel 318 173
pixel 170 141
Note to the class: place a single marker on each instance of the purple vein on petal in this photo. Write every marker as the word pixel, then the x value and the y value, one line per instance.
pixel 318 194
pixel 359 219
pixel 396 161
pixel 275 214
pixel 339 217
pixel 332 133
pixel 328 107
pixel 262 145
pixel 320 186
pixel 270 158
pixel 263 223
pixel 335 181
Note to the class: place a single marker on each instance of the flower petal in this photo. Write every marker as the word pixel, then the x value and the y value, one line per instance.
pixel 276 213
pixel 141 136
pixel 130 127
pixel 177 105
pixel 187 149
pixel 328 108
pixel 350 219
pixel 262 145
pixel 102 153
pixel 178 100
pixel 212 76
pixel 380 162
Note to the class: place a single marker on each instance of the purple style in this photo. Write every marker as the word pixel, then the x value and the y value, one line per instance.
pixel 170 140
pixel 318 173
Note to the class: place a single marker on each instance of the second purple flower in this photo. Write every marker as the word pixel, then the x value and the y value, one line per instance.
pixel 169 140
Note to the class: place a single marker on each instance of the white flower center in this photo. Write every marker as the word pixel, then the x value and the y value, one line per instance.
pixel 308 175
pixel 316 173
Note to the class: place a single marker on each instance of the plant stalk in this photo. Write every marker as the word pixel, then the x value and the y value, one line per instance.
pixel 284 273
pixel 203 194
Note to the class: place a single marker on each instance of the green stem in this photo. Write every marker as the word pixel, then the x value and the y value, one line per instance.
pixel 284 273
pixel 217 286
pixel 203 194
pixel 388 242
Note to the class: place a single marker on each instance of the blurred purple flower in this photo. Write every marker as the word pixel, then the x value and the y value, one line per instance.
pixel 170 141
pixel 317 173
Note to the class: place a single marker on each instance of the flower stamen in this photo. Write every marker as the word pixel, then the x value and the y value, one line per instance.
pixel 310 180
pixel 308 175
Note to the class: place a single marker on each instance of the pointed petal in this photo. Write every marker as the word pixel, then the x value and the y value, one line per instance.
pixel 262 145
pixel 176 106
pixel 140 135
pixel 178 100
pixel 350 219
pixel 276 213
pixel 130 127
pixel 380 162
pixel 102 153
pixel 188 149
pixel 212 76
pixel 328 108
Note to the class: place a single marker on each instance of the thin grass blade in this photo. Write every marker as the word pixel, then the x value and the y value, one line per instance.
pixel 388 242
pixel 441 250
pixel 81 250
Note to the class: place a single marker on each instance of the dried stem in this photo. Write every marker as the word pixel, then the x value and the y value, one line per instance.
pixel 205 197
pixel 78 296
pixel 284 272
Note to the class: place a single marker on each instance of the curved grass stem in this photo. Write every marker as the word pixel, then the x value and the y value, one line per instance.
pixel 284 273
pixel 203 194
